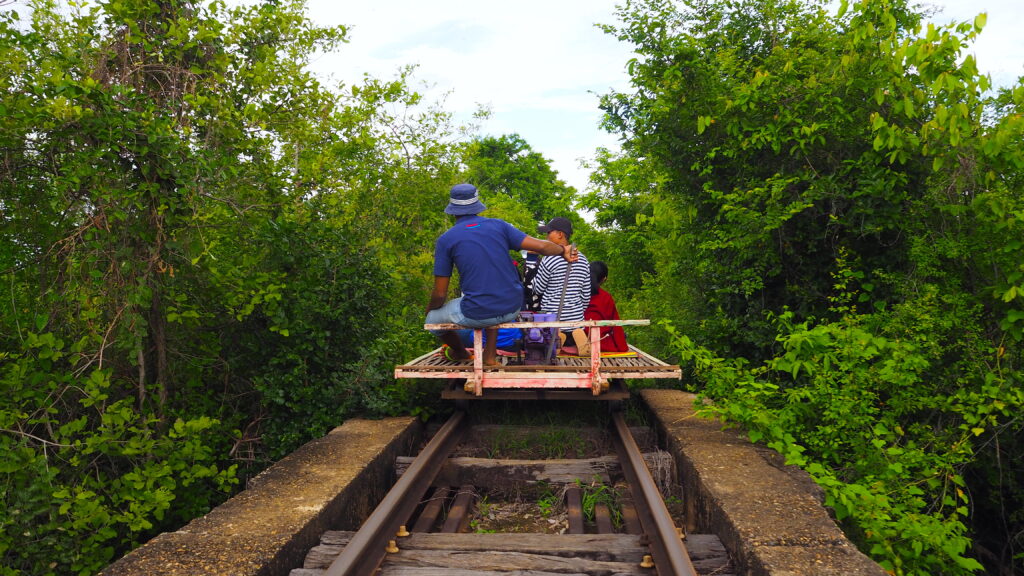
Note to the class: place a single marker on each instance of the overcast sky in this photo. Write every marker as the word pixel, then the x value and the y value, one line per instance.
pixel 540 65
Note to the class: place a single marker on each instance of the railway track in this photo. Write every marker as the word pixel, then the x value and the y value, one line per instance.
pixel 424 524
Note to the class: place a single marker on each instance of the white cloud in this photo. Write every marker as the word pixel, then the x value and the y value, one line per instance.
pixel 540 64
pixel 536 64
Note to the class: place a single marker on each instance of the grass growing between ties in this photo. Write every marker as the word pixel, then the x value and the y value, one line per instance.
pixel 538 443
pixel 540 413
pixel 547 512
pixel 597 493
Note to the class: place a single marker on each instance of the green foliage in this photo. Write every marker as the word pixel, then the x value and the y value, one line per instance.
pixel 483 508
pixel 84 474
pixel 846 404
pixel 312 351
pixel 619 198
pixel 556 443
pixel 508 166
pixel 505 444
pixel 546 442
pixel 832 200
pixel 622 210
pixel 596 493
pixel 548 501
pixel 208 258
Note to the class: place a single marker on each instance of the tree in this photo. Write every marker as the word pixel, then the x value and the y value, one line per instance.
pixel 824 185
pixel 507 165
pixel 160 166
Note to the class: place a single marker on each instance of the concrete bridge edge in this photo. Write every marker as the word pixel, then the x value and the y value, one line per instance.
pixel 267 529
pixel 769 516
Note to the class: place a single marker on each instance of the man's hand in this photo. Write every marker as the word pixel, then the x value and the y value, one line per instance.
pixel 570 253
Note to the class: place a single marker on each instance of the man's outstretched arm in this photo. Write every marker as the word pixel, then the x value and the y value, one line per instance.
pixel 548 248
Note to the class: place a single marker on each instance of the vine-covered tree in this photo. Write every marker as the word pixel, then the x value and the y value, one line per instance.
pixel 835 204
pixel 508 165
pixel 208 257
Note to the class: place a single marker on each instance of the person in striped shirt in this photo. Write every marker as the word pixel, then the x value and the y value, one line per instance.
pixel 551 279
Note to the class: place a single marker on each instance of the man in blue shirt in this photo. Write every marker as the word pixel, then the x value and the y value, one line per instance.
pixel 491 290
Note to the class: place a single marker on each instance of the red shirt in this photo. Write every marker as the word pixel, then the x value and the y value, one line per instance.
pixel 602 307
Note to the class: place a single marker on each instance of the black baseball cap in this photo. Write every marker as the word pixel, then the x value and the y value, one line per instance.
pixel 560 224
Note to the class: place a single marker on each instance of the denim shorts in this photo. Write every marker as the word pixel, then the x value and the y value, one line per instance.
pixel 451 313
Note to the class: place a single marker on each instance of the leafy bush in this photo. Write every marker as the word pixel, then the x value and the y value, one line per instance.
pixel 85 477
pixel 832 200
pixel 865 416
pixel 191 240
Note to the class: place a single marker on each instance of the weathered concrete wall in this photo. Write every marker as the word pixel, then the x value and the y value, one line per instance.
pixel 267 529
pixel 769 516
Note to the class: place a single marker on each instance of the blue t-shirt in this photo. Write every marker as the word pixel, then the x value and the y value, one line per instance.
pixel 479 247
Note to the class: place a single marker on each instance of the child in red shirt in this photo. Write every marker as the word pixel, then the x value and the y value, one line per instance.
pixel 602 307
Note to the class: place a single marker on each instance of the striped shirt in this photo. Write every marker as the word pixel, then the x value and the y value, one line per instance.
pixel 550 279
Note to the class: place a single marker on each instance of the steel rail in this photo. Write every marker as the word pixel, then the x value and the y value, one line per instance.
pixel 667 548
pixel 367 549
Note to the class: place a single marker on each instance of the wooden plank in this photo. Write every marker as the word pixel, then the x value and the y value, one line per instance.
pixel 594 436
pixel 718 567
pixel 430 571
pixel 506 562
pixel 605 547
pixel 498 474
pixel 611 547
pixel 460 511
pixel 630 518
pixel 321 556
pixel 704 546
pixel 572 364
pixel 616 391
pixel 603 519
pixel 646 374
pixel 551 324
pixel 337 537
pixel 558 378
pixel 432 510
pixel 581 370
pixel 646 369
pixel 506 474
pixel 435 353
pixel 708 555
pixel 646 355
pixel 574 509
pixel 466 370
pixel 707 551
pixel 567 365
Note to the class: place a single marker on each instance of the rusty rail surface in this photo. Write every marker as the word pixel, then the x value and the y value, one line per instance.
pixel 368 547
pixel 667 547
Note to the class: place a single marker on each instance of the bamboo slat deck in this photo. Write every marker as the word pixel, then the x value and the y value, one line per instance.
pixel 643 365
pixel 573 372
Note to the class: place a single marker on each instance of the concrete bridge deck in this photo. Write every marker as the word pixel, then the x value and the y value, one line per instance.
pixel 769 516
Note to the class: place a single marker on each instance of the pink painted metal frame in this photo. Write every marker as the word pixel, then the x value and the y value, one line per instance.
pixel 543 377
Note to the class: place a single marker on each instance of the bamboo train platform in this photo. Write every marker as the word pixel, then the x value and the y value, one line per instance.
pixel 591 374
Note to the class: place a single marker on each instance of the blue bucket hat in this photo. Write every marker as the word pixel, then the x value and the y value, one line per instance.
pixel 464 200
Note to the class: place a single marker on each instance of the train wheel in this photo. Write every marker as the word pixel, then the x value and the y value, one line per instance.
pixel 457 384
